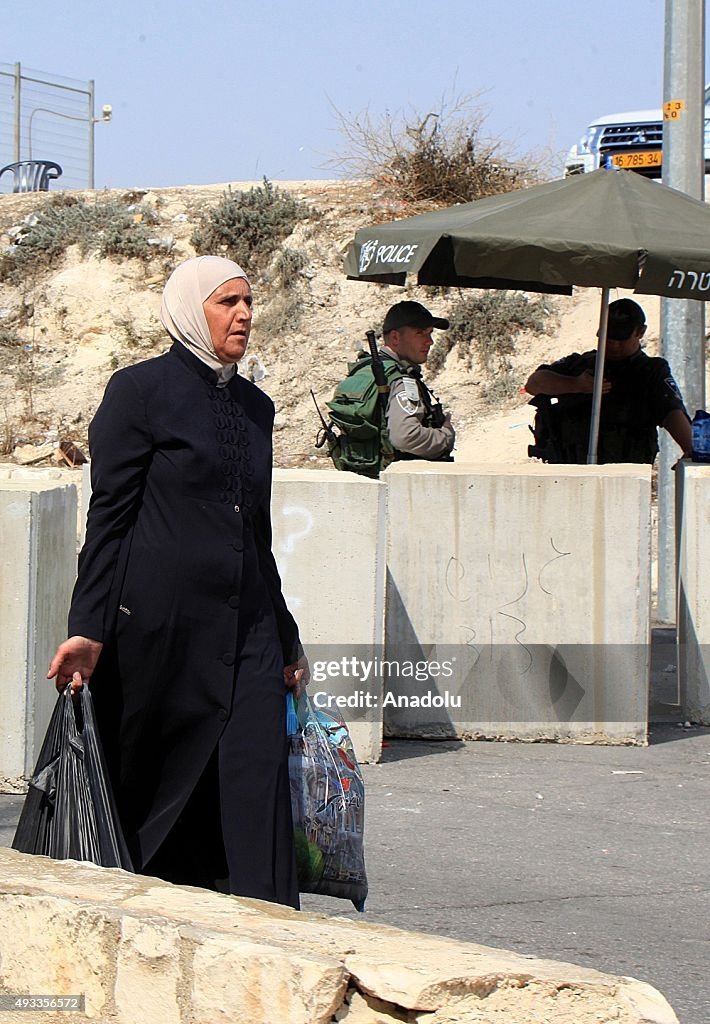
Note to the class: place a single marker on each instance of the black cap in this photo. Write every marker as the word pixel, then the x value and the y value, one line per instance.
pixel 624 316
pixel 411 314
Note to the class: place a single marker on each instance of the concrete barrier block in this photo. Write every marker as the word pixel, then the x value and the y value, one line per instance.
pixel 693 541
pixel 532 587
pixel 9 471
pixel 37 571
pixel 329 543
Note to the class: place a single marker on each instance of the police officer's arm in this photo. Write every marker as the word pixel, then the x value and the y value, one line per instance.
pixel 667 401
pixel 678 426
pixel 408 433
pixel 547 382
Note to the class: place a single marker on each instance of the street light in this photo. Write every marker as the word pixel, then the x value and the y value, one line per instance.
pixel 106 116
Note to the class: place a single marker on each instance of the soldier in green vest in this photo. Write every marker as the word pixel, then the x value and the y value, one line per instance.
pixel 417 427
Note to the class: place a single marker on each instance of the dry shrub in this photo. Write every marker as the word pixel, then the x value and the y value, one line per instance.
pixel 8 430
pixel 9 340
pixel 289 269
pixel 281 316
pixel 439 158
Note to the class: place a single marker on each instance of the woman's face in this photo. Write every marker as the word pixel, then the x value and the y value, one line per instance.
pixel 228 315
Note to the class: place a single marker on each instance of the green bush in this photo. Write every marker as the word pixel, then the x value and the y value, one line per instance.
pixel 107 227
pixel 485 325
pixel 249 226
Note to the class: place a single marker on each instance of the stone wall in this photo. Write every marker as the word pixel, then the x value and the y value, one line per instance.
pixel 139 949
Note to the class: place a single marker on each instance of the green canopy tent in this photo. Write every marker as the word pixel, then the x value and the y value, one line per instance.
pixel 608 229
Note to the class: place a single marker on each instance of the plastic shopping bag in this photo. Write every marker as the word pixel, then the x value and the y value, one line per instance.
pixel 69 811
pixel 328 805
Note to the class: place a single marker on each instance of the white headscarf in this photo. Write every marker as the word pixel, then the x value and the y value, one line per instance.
pixel 181 312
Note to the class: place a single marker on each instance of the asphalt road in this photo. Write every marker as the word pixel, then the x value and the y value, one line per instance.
pixel 594 855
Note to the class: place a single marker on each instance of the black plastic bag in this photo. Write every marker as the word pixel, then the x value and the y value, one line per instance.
pixel 328 806
pixel 69 811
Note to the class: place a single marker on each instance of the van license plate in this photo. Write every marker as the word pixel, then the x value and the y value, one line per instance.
pixel 631 160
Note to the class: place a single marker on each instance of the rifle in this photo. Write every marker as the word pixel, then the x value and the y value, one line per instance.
pixel 435 415
pixel 378 372
pixel 434 411
pixel 326 433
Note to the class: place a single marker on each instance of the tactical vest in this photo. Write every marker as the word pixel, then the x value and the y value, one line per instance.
pixel 561 434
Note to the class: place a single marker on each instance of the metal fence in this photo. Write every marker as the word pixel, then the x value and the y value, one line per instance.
pixel 47 117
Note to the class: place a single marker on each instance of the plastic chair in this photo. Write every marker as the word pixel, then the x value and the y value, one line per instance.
pixel 32 175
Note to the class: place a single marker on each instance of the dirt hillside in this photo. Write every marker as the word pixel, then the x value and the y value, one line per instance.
pixel 85 316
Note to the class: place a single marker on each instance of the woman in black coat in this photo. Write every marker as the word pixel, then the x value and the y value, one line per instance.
pixel 177 615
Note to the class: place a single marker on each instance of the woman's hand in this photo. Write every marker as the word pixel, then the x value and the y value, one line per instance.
pixel 74 662
pixel 296 676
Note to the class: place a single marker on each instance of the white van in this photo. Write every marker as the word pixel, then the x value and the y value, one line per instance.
pixel 632 140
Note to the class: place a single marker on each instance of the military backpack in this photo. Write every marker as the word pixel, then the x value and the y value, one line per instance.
pixel 357 435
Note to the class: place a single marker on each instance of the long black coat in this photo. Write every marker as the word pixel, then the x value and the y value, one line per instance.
pixel 160 575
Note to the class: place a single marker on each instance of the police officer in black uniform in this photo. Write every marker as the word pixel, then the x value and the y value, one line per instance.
pixel 639 394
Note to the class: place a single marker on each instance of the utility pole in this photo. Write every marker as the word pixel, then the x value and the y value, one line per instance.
pixel 16 147
pixel 682 320
pixel 92 124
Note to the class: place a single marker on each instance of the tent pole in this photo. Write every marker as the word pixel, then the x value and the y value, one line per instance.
pixel 598 381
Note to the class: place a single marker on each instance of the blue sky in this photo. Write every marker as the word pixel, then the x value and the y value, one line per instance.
pixel 227 91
